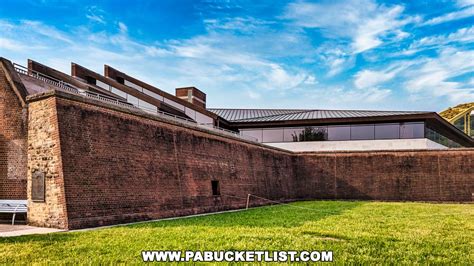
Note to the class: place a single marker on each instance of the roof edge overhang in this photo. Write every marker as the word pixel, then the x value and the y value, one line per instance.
pixel 328 121
pixel 14 80
pixel 449 130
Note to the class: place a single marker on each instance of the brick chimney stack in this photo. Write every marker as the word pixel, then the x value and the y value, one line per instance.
pixel 192 95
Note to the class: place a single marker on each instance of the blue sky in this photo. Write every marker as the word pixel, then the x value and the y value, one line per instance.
pixel 367 54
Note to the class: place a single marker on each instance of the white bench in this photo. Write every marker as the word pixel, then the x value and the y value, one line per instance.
pixel 14 207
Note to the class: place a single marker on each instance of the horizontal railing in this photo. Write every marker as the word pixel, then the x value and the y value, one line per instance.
pixel 69 88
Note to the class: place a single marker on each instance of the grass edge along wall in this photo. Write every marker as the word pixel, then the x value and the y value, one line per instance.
pixel 161 168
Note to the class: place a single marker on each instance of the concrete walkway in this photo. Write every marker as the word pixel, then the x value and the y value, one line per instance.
pixel 7 230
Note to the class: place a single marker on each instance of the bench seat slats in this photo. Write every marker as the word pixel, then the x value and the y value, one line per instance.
pixel 13 207
pixel 13 210
pixel 2 201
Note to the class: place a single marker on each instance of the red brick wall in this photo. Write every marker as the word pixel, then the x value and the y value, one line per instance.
pixel 13 131
pixel 444 175
pixel 118 167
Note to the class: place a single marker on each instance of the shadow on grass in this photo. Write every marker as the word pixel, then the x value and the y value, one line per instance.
pixel 292 215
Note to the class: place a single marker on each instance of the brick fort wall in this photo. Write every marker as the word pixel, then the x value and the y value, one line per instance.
pixel 13 147
pixel 422 175
pixel 117 165
pixel 120 167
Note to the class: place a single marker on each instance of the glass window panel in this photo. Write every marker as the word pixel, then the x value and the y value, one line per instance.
pixel 289 134
pixel 102 85
pixel 387 131
pixel 441 139
pixel 132 100
pixel 459 123
pixel 412 130
pixel 362 132
pixel 190 113
pixel 339 132
pixel 273 135
pixel 133 85
pixel 152 94
pixel 204 119
pixel 146 105
pixel 255 133
pixel 119 92
pixel 174 104
pixel 472 124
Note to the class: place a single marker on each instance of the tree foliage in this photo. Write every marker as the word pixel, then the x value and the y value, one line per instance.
pixel 310 134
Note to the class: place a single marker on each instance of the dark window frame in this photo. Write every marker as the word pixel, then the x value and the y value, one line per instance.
pixel 216 188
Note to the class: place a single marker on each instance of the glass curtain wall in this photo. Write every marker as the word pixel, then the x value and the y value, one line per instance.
pixel 472 124
pixel 441 139
pixel 412 130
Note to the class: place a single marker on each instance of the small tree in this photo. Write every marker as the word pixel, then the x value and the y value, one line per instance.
pixel 310 134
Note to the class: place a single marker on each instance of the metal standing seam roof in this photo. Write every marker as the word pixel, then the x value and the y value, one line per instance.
pixel 237 114
pixel 268 115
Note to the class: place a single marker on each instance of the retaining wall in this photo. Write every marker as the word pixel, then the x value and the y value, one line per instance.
pixel 108 165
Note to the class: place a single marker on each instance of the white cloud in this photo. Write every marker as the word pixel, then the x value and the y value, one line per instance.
pixel 336 65
pixel 45 30
pixel 240 24
pixel 442 77
pixel 95 18
pixel 371 95
pixel 369 78
pixel 336 58
pixel 461 36
pixel 279 78
pixel 463 3
pixel 340 97
pixel 214 61
pixel 253 95
pixel 436 77
pixel 310 80
pixel 456 15
pixel 95 14
pixel 122 27
pixel 11 45
pixel 365 23
pixel 373 78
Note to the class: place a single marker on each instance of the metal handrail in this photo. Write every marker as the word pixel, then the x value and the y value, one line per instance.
pixel 69 88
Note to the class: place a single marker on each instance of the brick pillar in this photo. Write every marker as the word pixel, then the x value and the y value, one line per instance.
pixel 44 158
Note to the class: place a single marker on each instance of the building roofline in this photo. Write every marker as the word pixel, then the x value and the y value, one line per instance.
pixel 41 68
pixel 433 118
pixel 111 72
pixel 79 71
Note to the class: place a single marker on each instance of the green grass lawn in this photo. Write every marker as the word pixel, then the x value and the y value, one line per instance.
pixel 364 232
